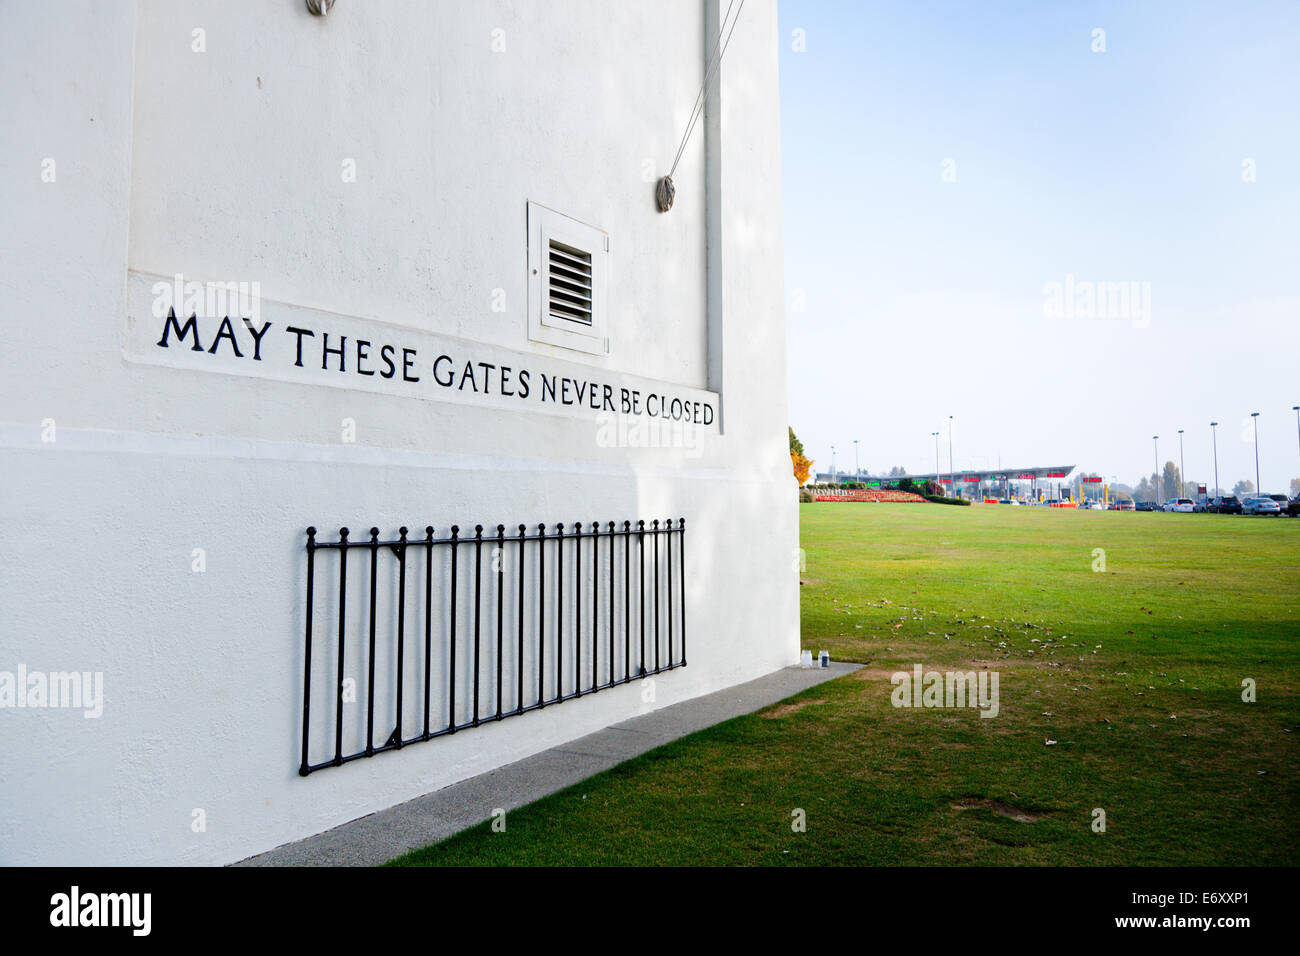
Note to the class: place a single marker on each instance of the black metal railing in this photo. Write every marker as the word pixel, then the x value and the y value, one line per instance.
pixel 478 647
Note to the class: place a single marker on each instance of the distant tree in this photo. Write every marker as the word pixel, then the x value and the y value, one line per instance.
pixel 1171 482
pixel 1146 489
pixel 1295 487
pixel 1243 488
pixel 1190 489
pixel 922 487
pixel 897 472
pixel 801 465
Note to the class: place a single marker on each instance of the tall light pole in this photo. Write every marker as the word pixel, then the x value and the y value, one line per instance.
pixel 1155 439
pixel 951 484
pixel 1296 409
pixel 832 462
pixel 857 469
pixel 1255 417
pixel 1182 475
pixel 936 456
pixel 1214 440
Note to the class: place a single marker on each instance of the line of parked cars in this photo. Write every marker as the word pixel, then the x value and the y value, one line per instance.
pixel 1230 505
pixel 1224 505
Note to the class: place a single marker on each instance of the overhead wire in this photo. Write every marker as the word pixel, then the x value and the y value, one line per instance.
pixel 713 66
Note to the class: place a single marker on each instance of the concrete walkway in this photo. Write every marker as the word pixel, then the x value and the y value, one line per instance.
pixel 379 837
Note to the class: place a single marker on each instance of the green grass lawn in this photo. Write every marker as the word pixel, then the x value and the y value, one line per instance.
pixel 1135 672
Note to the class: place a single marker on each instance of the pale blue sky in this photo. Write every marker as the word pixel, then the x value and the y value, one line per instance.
pixel 923 298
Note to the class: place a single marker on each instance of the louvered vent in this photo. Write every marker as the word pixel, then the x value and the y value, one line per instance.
pixel 569 286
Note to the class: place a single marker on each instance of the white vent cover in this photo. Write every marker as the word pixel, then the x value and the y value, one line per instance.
pixel 568 283
pixel 568 267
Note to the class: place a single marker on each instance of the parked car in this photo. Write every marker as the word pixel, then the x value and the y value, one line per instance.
pixel 1180 505
pixel 1124 504
pixel 1145 506
pixel 1226 505
pixel 1283 502
pixel 1260 505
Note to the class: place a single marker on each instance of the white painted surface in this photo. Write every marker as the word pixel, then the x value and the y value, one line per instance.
pixel 172 161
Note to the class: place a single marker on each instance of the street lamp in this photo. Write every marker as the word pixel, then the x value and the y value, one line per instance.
pixel 1296 410
pixel 950 474
pixel 832 462
pixel 857 469
pixel 1214 440
pixel 1182 475
pixel 1156 444
pixel 1255 416
pixel 936 456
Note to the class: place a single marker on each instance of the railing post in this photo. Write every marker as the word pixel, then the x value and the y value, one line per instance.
pixel 305 767
pixel 428 622
pixel 451 668
pixel 640 526
pixel 627 601
pixel 672 661
pixel 343 607
pixel 577 607
pixel 656 537
pixel 519 666
pixel 370 683
pixel 595 605
pixel 401 631
pixel 501 565
pixel 611 604
pixel 541 615
pixel 559 612
pixel 681 540
pixel 478 595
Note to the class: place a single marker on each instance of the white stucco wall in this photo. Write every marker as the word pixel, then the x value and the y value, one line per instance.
pixel 225 165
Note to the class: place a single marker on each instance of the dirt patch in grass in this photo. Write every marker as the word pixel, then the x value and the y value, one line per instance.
pixel 874 673
pixel 1019 814
pixel 785 710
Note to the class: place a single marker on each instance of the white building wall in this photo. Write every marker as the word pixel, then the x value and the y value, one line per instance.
pixel 226 165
